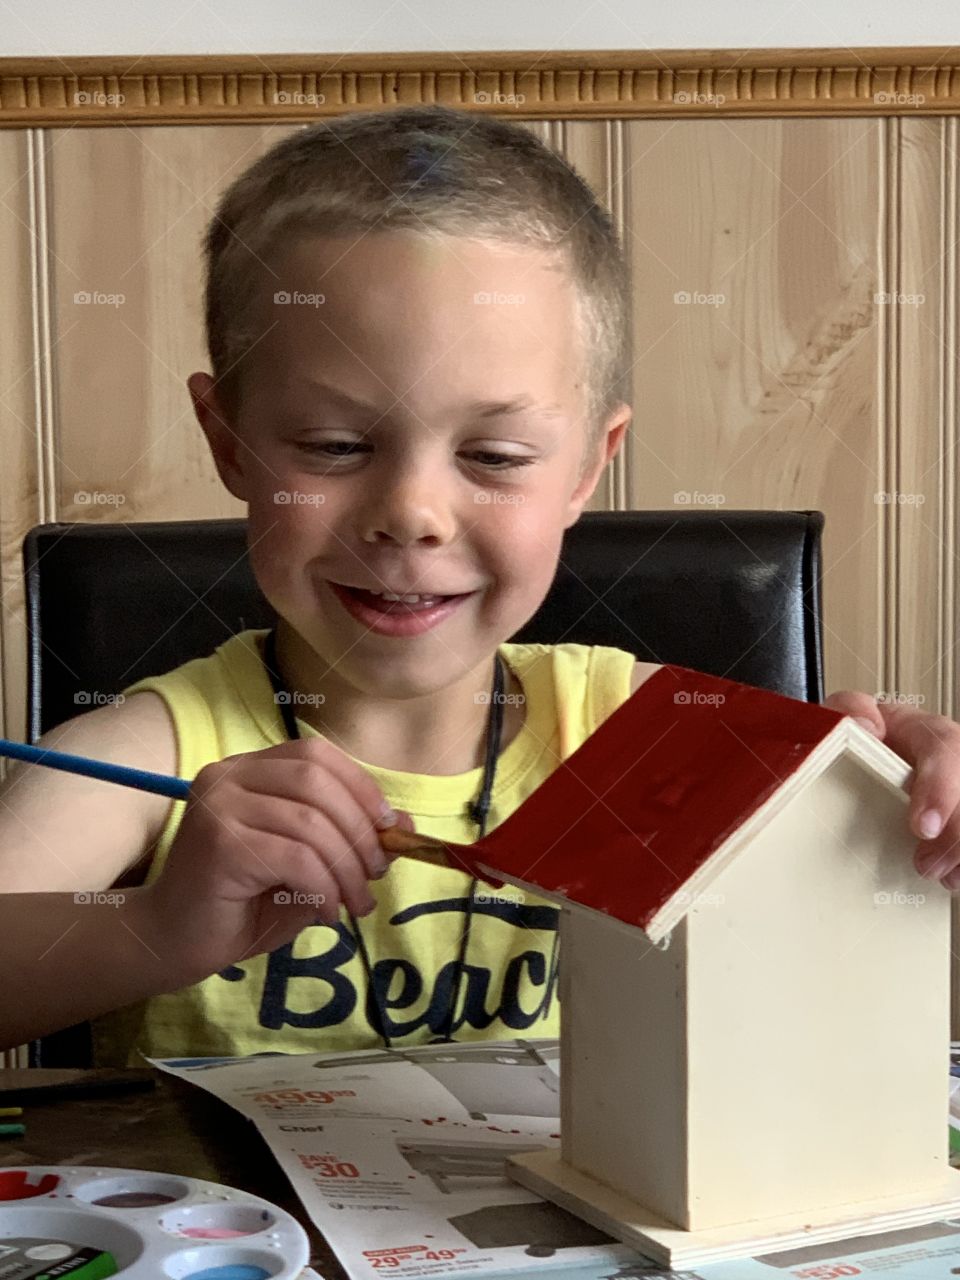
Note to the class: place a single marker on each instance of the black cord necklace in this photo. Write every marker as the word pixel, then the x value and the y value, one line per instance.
pixel 479 808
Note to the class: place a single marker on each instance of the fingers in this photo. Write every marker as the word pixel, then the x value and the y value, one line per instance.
pixel 317 855
pixel 940 859
pixel 861 706
pixel 319 751
pixel 302 815
pixel 935 789
pixel 307 887
pixel 314 805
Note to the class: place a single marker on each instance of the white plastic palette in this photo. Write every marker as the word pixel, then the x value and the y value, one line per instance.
pixel 157 1226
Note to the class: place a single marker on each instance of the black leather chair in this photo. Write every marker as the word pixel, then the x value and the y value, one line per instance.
pixel 732 593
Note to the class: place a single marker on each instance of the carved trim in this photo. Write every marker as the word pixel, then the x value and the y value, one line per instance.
pixel 609 84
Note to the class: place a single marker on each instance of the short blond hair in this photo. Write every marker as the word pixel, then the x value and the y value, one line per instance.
pixel 434 171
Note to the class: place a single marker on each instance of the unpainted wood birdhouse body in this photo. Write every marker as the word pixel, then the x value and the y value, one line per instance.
pixel 755 979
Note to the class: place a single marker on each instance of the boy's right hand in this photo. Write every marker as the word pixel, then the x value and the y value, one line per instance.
pixel 271 841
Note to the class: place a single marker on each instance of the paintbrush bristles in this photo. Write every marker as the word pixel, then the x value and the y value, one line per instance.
pixel 412 844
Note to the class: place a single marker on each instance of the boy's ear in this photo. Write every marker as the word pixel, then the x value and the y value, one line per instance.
pixel 611 438
pixel 224 442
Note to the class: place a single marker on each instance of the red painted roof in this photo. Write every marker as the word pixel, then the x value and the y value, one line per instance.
pixel 624 822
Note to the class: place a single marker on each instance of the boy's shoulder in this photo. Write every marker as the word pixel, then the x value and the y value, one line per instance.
pixel 586 660
pixel 220 703
pixel 233 671
pixel 581 684
pixel 134 729
pixel 62 831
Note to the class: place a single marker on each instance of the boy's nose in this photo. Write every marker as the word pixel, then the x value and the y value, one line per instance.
pixel 406 513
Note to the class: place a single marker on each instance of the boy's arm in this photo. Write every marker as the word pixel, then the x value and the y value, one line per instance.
pixel 66 960
pixel 59 831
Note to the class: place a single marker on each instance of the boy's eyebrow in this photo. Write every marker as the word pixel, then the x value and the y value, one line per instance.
pixel 476 408
pixel 519 404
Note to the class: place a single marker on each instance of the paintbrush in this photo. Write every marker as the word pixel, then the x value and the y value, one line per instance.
pixel 443 853
pixel 396 841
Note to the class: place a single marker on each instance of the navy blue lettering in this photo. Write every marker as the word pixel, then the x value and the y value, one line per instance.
pixel 517 913
pixel 399 985
pixel 282 965
pixel 409 993
pixel 512 1014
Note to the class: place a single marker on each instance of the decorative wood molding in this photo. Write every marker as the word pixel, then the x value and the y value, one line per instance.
pixel 682 83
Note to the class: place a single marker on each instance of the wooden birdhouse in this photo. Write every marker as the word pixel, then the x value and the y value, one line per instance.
pixel 754 977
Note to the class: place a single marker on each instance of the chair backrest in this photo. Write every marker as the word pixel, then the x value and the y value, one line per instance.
pixel 732 593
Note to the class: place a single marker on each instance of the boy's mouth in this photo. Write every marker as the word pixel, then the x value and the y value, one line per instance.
pixel 391 602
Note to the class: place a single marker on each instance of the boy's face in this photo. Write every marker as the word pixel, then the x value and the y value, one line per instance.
pixel 419 430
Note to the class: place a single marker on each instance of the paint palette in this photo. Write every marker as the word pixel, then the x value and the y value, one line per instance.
pixel 91 1223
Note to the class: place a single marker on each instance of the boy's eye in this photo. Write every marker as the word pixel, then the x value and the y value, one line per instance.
pixel 321 446
pixel 496 459
pixel 335 449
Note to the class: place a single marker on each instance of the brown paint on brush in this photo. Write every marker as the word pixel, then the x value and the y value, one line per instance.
pixel 441 853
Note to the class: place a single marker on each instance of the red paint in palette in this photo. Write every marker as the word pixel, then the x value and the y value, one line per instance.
pixel 627 819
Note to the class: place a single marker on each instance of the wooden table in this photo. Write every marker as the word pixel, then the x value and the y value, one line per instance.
pixel 174 1128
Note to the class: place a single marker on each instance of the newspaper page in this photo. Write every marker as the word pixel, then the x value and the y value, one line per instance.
pixel 398 1157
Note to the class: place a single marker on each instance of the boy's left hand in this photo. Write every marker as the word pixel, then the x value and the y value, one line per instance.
pixel 931 744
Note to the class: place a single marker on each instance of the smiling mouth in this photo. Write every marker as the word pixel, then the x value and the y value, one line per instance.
pixel 394 602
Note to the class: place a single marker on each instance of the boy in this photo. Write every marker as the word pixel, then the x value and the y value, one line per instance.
pixel 416 324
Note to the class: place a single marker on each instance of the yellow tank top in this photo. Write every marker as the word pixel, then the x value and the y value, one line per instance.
pixel 312 993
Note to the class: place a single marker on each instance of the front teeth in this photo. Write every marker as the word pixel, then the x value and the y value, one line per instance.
pixel 388 595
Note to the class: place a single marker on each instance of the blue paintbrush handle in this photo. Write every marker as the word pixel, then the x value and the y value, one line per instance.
pixel 160 783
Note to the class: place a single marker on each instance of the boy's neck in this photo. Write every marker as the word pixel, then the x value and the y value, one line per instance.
pixel 443 733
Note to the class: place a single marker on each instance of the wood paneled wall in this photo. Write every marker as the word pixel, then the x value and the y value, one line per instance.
pixel 787 379
pixel 813 363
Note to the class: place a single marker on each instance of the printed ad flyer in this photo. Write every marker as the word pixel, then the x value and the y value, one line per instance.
pixel 399 1159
